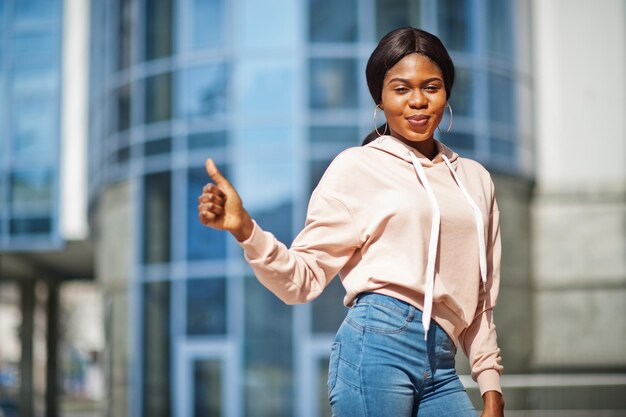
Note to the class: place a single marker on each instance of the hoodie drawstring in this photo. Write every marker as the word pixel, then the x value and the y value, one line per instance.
pixel 434 238
pixel 432 246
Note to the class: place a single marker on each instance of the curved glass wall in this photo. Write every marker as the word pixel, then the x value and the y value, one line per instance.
pixel 272 91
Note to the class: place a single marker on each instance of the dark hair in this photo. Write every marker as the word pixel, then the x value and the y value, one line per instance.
pixel 392 48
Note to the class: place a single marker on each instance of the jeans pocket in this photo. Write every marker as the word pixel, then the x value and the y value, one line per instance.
pixel 333 365
pixel 385 319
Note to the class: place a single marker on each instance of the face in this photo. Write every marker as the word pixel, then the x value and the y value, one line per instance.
pixel 414 98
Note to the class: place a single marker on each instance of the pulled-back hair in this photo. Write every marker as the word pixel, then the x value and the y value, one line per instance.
pixel 392 48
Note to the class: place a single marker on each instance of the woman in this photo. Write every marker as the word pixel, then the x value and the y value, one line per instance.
pixel 412 229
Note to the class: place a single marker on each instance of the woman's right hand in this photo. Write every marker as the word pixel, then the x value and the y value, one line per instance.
pixel 220 207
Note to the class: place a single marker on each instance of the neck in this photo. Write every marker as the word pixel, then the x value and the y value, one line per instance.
pixel 427 147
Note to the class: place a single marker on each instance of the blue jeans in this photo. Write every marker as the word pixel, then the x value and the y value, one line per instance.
pixel 381 366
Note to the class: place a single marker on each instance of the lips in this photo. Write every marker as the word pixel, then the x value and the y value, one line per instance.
pixel 418 120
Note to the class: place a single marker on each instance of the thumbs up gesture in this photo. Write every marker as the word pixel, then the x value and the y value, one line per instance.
pixel 220 207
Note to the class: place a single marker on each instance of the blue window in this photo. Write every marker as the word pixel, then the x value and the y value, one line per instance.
pixel 268 352
pixel 333 83
pixel 208 386
pixel 156 352
pixel 462 98
pixel 455 24
pixel 333 21
pixel 26 11
pixel 499 33
pixel 501 104
pixel 31 192
pixel 156 217
pixel 158 29
pixel 35 128
pixel 393 14
pixel 204 91
pixel 158 98
pixel 208 23
pixel 206 307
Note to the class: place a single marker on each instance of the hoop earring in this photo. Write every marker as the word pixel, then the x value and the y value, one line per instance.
pixel 375 125
pixel 450 125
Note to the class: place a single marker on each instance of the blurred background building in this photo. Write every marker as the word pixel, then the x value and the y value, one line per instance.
pixel 273 90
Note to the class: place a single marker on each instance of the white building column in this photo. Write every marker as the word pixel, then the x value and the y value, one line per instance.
pixel 579 213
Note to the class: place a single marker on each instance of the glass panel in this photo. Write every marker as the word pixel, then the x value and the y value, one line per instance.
pixel 156 217
pixel 499 28
pixel 206 306
pixel 25 10
pixel 35 128
pixel 322 387
pixel 35 50
pixel 267 87
pixel 158 98
pixel 268 353
pixel 157 147
pixel 209 23
pixel 31 226
pixel 158 35
pixel 124 33
pixel 455 24
pixel 462 95
pixel 333 83
pixel 207 392
pixel 253 30
pixel 316 170
pixel 156 352
pixel 202 242
pixel 123 155
pixel 459 141
pixel 204 91
pixel 123 108
pixel 206 140
pixel 37 81
pixel 328 308
pixel 340 136
pixel 502 148
pixel 333 21
pixel 267 187
pixel 393 14
pixel 501 99
pixel 31 191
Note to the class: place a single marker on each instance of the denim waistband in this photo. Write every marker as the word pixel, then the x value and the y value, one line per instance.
pixel 389 302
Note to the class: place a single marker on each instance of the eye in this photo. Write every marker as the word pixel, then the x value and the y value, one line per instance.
pixel 432 88
pixel 400 90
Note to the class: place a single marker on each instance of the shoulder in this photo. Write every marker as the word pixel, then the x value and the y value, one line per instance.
pixel 349 167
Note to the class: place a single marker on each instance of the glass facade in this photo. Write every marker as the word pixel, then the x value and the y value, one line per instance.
pixel 30 89
pixel 272 97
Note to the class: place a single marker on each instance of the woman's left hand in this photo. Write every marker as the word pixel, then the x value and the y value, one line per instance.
pixel 494 404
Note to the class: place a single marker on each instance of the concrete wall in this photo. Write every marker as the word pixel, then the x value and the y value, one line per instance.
pixel 114 250
pixel 579 212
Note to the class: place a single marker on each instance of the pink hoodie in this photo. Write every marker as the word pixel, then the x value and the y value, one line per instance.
pixel 391 221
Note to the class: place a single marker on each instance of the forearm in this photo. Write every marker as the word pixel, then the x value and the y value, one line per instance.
pixel 494 404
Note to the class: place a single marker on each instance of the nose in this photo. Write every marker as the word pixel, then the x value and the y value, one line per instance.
pixel 417 99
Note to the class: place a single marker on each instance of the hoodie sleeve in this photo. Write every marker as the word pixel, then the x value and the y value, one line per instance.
pixel 299 274
pixel 479 340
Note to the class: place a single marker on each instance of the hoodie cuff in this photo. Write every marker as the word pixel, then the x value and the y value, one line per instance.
pixel 257 244
pixel 489 380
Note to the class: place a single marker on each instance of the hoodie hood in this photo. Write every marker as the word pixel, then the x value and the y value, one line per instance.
pixel 396 147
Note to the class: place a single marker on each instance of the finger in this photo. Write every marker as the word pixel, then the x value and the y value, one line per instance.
pixel 211 188
pixel 206 218
pixel 215 174
pixel 207 198
pixel 212 208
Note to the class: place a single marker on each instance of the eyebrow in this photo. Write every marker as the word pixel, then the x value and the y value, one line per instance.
pixel 407 81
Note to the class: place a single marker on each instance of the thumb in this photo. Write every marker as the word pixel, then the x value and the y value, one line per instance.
pixel 215 174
